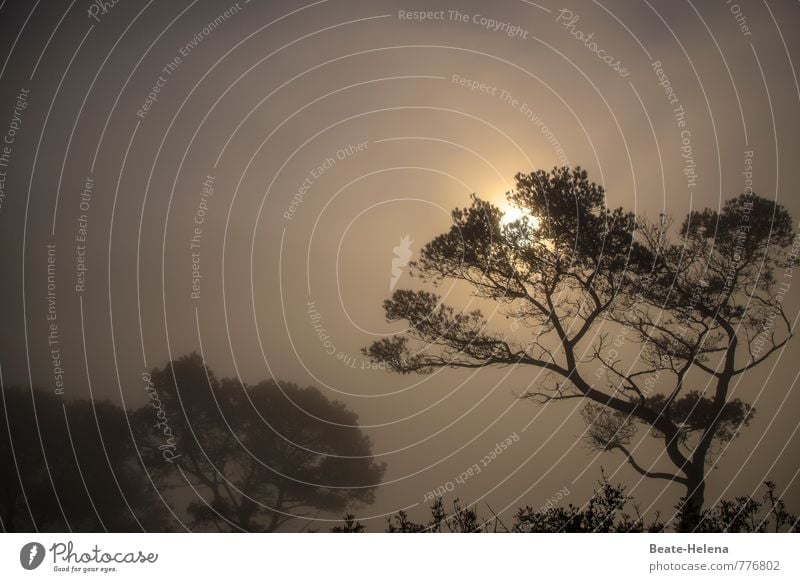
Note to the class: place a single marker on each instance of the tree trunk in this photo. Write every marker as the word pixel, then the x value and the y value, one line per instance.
pixel 692 504
pixel 276 515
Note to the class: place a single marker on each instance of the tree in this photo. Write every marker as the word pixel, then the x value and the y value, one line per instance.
pixel 569 270
pixel 459 520
pixel 70 465
pixel 259 455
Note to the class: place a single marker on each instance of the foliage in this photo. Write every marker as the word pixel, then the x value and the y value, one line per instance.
pixel 604 512
pixel 261 455
pixel 571 272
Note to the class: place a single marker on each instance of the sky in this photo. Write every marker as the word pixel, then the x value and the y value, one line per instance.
pixel 234 178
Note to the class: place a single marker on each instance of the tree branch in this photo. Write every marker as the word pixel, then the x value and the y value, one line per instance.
pixel 644 472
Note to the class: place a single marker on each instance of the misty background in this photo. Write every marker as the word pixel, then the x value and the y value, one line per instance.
pixel 326 132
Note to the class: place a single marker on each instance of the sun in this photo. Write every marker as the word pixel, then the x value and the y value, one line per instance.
pixel 513 213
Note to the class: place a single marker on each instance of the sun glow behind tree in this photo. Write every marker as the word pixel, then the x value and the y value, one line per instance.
pixel 512 213
pixel 519 224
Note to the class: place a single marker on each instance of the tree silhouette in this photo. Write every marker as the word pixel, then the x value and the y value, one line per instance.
pixel 258 455
pixel 604 512
pixel 571 269
pixel 71 466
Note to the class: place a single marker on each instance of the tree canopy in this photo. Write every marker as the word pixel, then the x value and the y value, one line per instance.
pixel 706 299
pixel 259 455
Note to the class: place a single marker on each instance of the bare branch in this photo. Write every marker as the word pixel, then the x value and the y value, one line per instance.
pixel 644 472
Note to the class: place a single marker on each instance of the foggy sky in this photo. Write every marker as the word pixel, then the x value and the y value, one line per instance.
pixel 277 98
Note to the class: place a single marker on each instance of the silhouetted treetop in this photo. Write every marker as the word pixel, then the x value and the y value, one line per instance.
pixel 580 279
pixel 260 454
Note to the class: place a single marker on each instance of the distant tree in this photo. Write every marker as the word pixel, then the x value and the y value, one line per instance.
pixel 70 465
pixel 578 278
pixel 459 520
pixel 349 525
pixel 258 456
